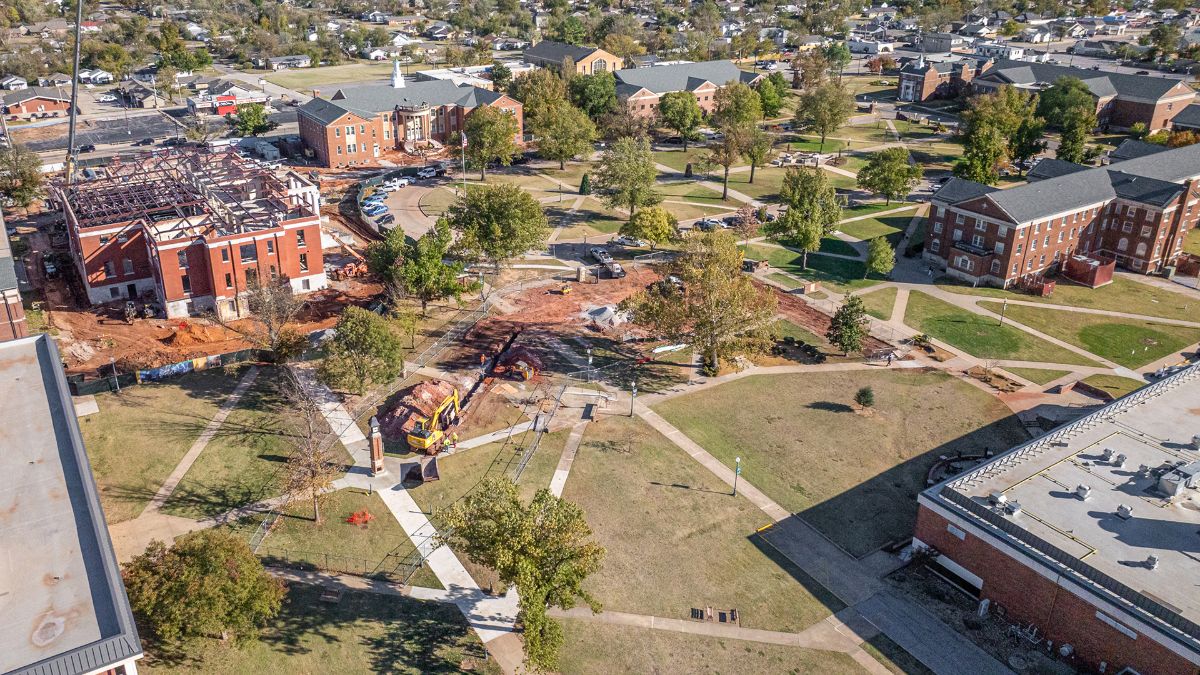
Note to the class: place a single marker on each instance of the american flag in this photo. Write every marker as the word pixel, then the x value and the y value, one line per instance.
pixel 464 141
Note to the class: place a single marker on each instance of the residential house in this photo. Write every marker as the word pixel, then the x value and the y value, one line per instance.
pixel 859 44
pixel 35 102
pixel 225 97
pixel 995 49
pixel 55 80
pixel 289 62
pixel 641 88
pixel 1037 35
pixel 95 76
pixel 13 83
pixel 438 30
pixel 584 60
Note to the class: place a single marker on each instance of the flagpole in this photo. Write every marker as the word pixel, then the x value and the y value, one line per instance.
pixel 463 152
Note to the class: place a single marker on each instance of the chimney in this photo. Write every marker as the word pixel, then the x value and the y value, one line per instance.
pixel 375 440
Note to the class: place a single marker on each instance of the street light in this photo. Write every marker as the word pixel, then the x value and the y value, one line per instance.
pixel 737 471
pixel 1003 309
pixel 633 396
pixel 589 366
pixel 112 361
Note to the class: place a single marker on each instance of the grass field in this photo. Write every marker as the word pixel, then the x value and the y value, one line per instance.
pixel 853 476
pixel 879 303
pixel 678 159
pixel 593 648
pixel 381 547
pixel 307 78
pixel 787 282
pixel 437 201
pixel 1038 375
pixel 676 538
pixel 879 226
pixel 1130 342
pixel 361 633
pixel 767 181
pixel 1122 295
pixel 982 336
pixel 141 433
pixel 839 274
pixel 1115 385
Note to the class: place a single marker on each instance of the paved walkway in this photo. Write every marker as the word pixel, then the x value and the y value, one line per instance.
pixel 559 480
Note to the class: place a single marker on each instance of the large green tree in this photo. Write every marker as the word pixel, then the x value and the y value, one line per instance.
pixel 736 105
pixel 808 196
pixel 889 173
pixel 491 137
pixel 983 152
pixel 654 224
pixel 497 222
pixel 544 548
pixel 364 351
pixel 772 91
pixel 251 120
pixel 881 257
pixel 20 174
pixel 848 328
pixel 759 145
pixel 824 109
pixel 678 110
pixel 728 150
pixel 1067 95
pixel 999 127
pixel 425 273
pixel 625 175
pixel 595 94
pixel 716 309
pixel 535 90
pixel 563 132
pixel 207 584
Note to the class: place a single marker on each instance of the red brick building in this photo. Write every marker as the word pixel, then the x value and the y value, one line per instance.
pixel 1085 539
pixel 1122 99
pixel 1135 212
pixel 641 88
pixel 37 102
pixel 190 230
pixel 926 79
pixel 354 125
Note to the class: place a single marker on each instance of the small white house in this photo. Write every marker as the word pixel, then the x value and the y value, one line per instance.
pixel 95 76
pixel 865 45
pixel 13 83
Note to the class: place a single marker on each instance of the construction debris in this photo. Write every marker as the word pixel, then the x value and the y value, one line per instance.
pixel 418 409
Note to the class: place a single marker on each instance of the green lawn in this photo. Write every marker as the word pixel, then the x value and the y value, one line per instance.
pixel 1122 295
pixel 841 275
pixel 572 175
pixel 795 143
pixel 838 247
pixel 870 208
pixel 879 303
pixel 767 181
pixel 982 336
pixel 1130 342
pixel 676 538
pixel 437 201
pixel 593 648
pixel 244 462
pixel 141 433
pixel 678 159
pixel 853 476
pixel 880 226
pixel 1115 385
pixel 307 78
pixel 362 633
pixel 1038 375
pixel 788 282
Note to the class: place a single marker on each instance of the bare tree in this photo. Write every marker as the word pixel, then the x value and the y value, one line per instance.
pixel 311 468
pixel 273 307
pixel 195 128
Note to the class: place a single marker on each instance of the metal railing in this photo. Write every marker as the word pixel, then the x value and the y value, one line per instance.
pixel 396 568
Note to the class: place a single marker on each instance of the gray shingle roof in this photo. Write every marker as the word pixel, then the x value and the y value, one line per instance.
pixel 35 92
pixel 680 77
pixel 960 190
pixel 321 110
pixel 1189 117
pixel 550 50
pixel 370 100
pixel 1131 149
pixel 1101 84
pixel 1053 168
pixel 1144 190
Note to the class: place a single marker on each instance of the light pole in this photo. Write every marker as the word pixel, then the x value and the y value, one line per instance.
pixel 737 471
pixel 589 366
pixel 1003 309
pixel 632 396
pixel 112 361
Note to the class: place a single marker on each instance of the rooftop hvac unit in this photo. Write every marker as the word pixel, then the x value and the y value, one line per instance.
pixel 1152 561
pixel 1119 462
pixel 1012 508
pixel 1083 492
pixel 1196 442
pixel 1124 511
pixel 1143 471
pixel 1108 454
pixel 997 497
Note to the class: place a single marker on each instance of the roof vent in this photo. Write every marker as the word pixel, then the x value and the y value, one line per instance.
pixel 1083 492
pixel 1108 454
pixel 1124 511
pixel 1012 508
pixel 1196 442
pixel 1143 471
pixel 1152 561
pixel 1119 462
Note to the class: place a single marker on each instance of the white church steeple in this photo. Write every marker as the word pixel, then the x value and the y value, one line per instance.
pixel 397 76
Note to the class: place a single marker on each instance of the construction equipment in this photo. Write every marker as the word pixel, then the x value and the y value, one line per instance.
pixel 429 433
pixel 517 362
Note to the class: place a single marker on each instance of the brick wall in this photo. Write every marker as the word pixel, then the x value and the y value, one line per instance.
pixel 12 316
pixel 39 107
pixel 1028 596
pixel 113 254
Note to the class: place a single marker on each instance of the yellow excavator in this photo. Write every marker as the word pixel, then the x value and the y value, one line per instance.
pixel 430 432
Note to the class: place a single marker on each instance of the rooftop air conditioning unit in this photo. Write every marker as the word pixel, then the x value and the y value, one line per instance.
pixel 1119 462
pixel 1152 561
pixel 1196 442
pixel 1108 454
pixel 1083 492
pixel 1124 511
pixel 997 497
pixel 1012 508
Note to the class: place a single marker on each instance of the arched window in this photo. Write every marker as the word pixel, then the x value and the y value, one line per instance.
pixel 1141 250
pixel 1123 244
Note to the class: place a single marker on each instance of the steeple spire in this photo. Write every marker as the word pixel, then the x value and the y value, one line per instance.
pixel 397 76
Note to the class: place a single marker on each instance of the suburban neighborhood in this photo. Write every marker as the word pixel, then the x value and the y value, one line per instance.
pixel 574 336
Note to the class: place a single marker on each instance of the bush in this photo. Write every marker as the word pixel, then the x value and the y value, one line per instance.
pixel 687 170
pixel 585 185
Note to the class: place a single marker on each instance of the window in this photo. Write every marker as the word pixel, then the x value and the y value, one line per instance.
pixel 980 225
pixel 995 267
pixel 1033 244
pixel 305 285
pixel 1029 264
pixel 1016 268
pixel 273 273
pixel 270 246
pixel 362 129
pixel 941 211
pixel 935 245
pixel 1042 261
pixel 109 272
pixel 1127 227
pixel 248 253
pixel 958 235
pixel 1072 233
pixel 251 275
pixel 228 280
pixel 339 149
pixel 1123 244
pixel 1019 247
pixel 127 266
pixel 1141 250
pixel 181 255
pixel 1046 241
pixel 349 129
pixel 1037 228
pixel 1061 235
pixel 337 132
pixel 300 238
pixel 937 227
pixel 303 262
pixel 187 283
pixel 977 240
pixel 1145 230
pixel 999 248
pixel 1002 230
pixel 114 292
pixel 224 255
pixel 958 219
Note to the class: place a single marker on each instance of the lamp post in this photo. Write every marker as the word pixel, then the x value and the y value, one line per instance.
pixel 112 361
pixel 737 471
pixel 1003 309
pixel 632 396
pixel 589 365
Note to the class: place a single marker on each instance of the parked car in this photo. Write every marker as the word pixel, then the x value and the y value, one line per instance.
pixel 632 242
pixel 386 219
pixel 706 224
pixel 87 147
pixel 730 222
pixel 396 183
pixel 600 255
pixel 615 270
pixel 375 210
pixel 1143 72
pixel 106 98
pixel 144 141
pixel 769 217
pixel 172 142
pixel 49 266
pixel 431 172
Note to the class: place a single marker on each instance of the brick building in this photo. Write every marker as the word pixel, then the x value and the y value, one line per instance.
pixel 36 102
pixel 12 313
pixel 354 125
pixel 1122 100
pixel 190 230
pixel 924 79
pixel 224 98
pixel 585 60
pixel 1086 538
pixel 641 88
pixel 1135 212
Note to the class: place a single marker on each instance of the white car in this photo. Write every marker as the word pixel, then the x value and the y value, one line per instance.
pixel 427 172
pixel 629 241
pixel 396 183
pixel 106 98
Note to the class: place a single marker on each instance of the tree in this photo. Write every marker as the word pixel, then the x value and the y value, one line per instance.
pixel 716 308
pixel 654 224
pixel 889 173
pixel 824 109
pixel 1027 142
pixel 812 209
pixel 585 184
pixel 20 174
pixel 999 127
pixel 491 137
pixel 569 29
pixel 772 91
pixel 563 132
pixel 251 120
pixel 545 549
pixel 311 467
pixel 983 151
pixel 1072 143
pixel 363 351
pixel 208 584
pixel 1165 38
pixel 1068 95
pixel 272 307
pixel 758 150
pixel 881 257
pixel 736 105
pixel 865 398
pixel 424 274
pixel 747 222
pixel 838 55
pixel 849 325
pixel 536 89
pixel 595 94
pixel 1182 138
pixel 809 69
pixel 678 110
pixel 1010 28
pixel 502 76
pixel 625 175
pixel 622 46
pixel 195 128
pixel 497 222
pixel 727 151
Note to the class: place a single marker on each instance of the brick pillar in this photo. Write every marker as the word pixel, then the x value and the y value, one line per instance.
pixel 376 442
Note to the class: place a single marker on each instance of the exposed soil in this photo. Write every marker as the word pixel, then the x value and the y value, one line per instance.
pixel 800 313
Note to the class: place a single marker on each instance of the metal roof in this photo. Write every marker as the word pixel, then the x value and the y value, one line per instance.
pixel 65 609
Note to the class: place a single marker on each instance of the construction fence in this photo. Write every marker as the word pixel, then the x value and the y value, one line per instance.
pixel 80 386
